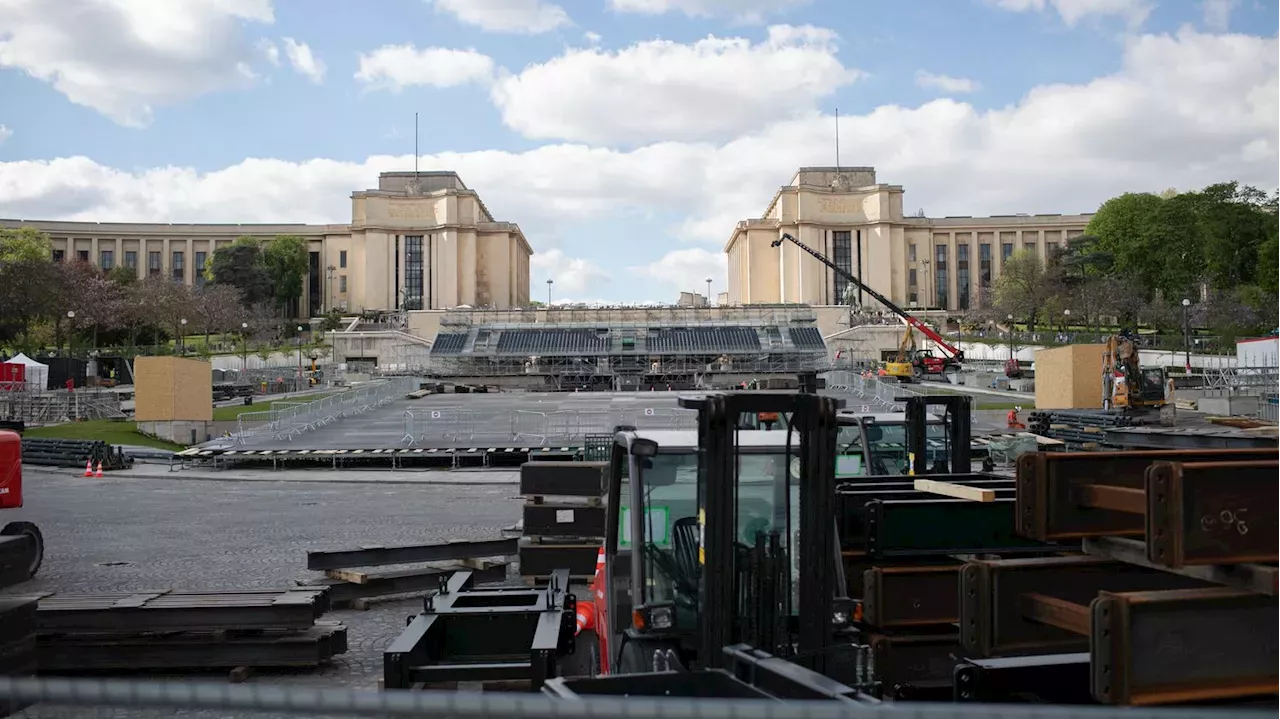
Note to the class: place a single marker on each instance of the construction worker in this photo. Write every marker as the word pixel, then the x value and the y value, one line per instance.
pixel 1012 418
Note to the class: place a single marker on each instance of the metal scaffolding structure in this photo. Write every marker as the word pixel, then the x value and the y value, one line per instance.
pixel 625 348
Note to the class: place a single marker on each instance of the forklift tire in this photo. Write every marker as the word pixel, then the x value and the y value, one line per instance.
pixel 17 529
pixel 585 660
pixel 917 372
pixel 637 656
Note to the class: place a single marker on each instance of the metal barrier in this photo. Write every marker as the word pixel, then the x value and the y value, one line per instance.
pixel 535 429
pixel 169 698
pixel 286 420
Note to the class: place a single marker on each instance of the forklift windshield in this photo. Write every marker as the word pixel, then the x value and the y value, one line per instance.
pixel 670 496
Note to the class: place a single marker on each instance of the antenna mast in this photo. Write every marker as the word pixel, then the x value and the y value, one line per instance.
pixel 415 145
pixel 837 141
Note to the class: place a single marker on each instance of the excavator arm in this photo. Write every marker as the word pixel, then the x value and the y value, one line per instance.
pixel 911 320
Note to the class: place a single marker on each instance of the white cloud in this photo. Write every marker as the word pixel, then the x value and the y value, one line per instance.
pixel 662 90
pixel 399 66
pixel 1135 12
pixel 752 11
pixel 303 60
pixel 684 270
pixel 1184 111
pixel 592 38
pixel 123 58
pixel 524 17
pixel 1217 14
pixel 5 133
pixel 946 83
pixel 269 51
pixel 570 275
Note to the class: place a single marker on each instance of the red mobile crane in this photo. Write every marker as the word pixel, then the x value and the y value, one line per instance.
pixel 922 361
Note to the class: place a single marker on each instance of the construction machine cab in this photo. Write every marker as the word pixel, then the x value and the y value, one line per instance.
pixel 720 547
pixel 915 441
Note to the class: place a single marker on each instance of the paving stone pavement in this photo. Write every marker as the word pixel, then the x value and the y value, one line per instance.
pixel 105 535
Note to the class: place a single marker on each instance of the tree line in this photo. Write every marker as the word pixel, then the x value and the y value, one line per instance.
pixel 1141 255
pixel 246 288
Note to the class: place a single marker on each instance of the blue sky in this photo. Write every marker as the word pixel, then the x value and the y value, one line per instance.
pixel 625 160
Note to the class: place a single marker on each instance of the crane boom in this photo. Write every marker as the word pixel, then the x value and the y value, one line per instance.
pixel 911 320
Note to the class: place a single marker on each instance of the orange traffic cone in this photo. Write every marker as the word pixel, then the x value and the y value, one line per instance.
pixel 99 472
pixel 600 561
pixel 88 468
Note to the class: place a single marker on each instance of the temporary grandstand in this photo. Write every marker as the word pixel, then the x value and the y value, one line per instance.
pixel 630 348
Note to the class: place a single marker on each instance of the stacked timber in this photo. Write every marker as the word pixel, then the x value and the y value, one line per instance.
pixel 1172 601
pixel 357 578
pixel 562 522
pixel 185 630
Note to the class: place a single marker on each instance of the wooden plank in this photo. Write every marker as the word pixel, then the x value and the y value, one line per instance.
pixel 355 576
pixel 955 491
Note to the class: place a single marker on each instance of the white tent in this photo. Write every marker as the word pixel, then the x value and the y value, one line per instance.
pixel 37 373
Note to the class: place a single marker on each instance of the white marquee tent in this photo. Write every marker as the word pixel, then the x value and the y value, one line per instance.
pixel 37 373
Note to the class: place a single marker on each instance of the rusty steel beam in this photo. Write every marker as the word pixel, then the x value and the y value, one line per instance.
pixel 1052 502
pixel 911 596
pixel 1178 647
pixel 1212 513
pixel 992 622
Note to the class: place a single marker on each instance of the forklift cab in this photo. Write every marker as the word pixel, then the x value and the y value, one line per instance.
pixel 712 525
pixel 875 444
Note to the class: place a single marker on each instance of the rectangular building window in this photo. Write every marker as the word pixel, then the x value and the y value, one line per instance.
pixel 59 255
pixel 1050 249
pixel 911 277
pixel 940 275
pixel 198 270
pixel 131 259
pixel 1030 246
pixel 984 265
pixel 911 298
pixel 842 256
pixel 342 284
pixel 106 260
pixel 153 264
pixel 1005 251
pixel 82 255
pixel 178 267
pixel 342 259
pixel 911 253
pixel 962 275
pixel 413 272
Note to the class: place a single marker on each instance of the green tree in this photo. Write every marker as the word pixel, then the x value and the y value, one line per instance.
pixel 1023 289
pixel 240 265
pixel 24 243
pixel 285 260
pixel 1269 266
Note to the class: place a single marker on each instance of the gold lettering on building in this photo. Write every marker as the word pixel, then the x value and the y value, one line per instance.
pixel 838 205
pixel 412 212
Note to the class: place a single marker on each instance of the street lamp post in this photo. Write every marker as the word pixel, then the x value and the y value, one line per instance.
pixel 1010 319
pixel 182 336
pixel 708 292
pixel 328 288
pixel 71 332
pixel 1186 331
pixel 299 357
pixel 549 283
pixel 1066 321
pixel 244 347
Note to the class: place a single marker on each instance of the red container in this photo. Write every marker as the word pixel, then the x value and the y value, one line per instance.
pixel 12 376
pixel 10 469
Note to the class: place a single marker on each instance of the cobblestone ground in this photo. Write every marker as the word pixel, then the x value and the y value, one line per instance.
pixel 105 535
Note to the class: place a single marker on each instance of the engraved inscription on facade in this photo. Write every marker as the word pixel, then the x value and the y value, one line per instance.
pixel 838 205
pixel 412 212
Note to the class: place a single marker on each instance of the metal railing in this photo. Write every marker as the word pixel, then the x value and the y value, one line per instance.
pixel 287 420
pixel 529 428
pixel 169 698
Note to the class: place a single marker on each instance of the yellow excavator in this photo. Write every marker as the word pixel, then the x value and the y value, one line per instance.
pixel 1127 385
pixel 900 366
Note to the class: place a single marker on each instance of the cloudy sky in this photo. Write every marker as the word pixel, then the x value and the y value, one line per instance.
pixel 626 137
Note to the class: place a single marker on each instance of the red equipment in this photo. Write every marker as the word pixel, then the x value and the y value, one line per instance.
pixel 924 360
pixel 21 544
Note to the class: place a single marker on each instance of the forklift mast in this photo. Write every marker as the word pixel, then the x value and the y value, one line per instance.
pixel 731 611
pixel 959 433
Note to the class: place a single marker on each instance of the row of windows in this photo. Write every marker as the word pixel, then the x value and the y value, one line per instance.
pixel 963 269
pixel 107 261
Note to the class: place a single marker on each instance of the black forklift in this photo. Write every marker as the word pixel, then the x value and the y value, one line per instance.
pixel 734 544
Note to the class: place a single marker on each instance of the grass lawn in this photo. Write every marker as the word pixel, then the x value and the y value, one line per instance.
pixel 233 411
pixel 111 431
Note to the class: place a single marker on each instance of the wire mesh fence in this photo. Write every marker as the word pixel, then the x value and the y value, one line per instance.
pixel 287 420
pixel 120 699
pixel 532 428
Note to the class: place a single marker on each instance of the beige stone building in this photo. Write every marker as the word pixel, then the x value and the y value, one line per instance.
pixel 857 223
pixel 419 241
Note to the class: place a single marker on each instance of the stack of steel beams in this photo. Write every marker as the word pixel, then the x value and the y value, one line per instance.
pixel 350 584
pixel 1173 602
pixel 563 517
pixel 185 630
